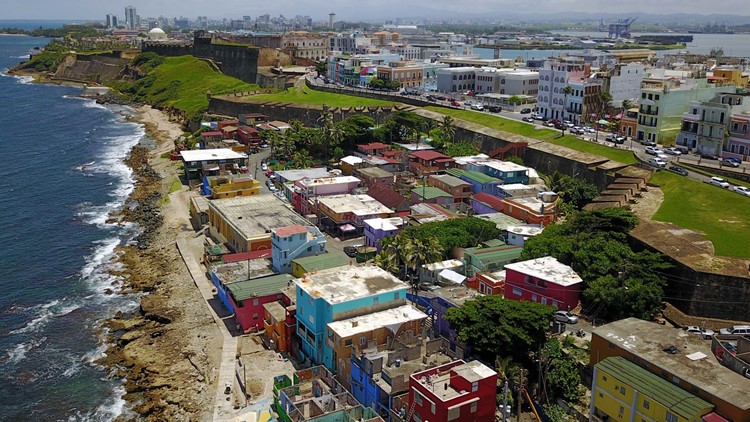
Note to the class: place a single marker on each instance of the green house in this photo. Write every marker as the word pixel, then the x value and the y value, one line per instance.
pixel 490 259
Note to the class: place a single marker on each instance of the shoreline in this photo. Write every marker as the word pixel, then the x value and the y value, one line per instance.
pixel 167 351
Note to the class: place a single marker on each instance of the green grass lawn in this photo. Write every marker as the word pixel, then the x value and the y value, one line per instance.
pixel 721 214
pixel 549 135
pixel 309 96
pixel 182 82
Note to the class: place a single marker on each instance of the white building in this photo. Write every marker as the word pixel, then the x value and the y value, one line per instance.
pixel 554 103
pixel 623 82
pixel 487 80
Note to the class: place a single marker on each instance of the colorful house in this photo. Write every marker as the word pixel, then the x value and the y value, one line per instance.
pixel 490 259
pixel 336 294
pixel 432 195
pixel 446 298
pixel 489 283
pixel 309 189
pixel 506 171
pixel 389 197
pixel 280 322
pixel 344 215
pixel 248 135
pixel 373 175
pixel 484 203
pixel 246 298
pixel 291 242
pixel 543 280
pixel 371 330
pixel 480 182
pixel 427 162
pixel 459 189
pixel 229 186
pixel 209 162
pixel 624 391
pixel 332 259
pixel 374 148
pixel 457 391
pixel 377 229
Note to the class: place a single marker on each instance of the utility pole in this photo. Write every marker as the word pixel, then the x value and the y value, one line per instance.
pixel 505 399
pixel 520 388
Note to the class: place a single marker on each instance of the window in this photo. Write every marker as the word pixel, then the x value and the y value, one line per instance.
pixel 395 296
pixel 375 300
pixel 348 342
pixel 417 398
pixel 255 302
pixel 675 379
pixel 474 386
pixel 432 408
pixel 533 297
pixel 517 291
pixel 604 377
pixel 622 390
pixel 362 341
pixel 454 413
pixel 474 407
pixel 645 404
pixel 670 417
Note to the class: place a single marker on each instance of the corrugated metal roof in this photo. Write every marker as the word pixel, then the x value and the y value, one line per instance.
pixel 259 287
pixel 677 400
pixel 449 180
pixel 473 175
pixel 429 192
pixel 500 253
pixel 322 262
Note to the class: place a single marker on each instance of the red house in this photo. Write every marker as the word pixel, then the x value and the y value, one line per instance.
pixel 429 162
pixel 248 135
pixel 543 280
pixel 374 148
pixel 246 299
pixel 456 391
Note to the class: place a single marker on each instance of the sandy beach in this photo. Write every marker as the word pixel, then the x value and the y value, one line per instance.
pixel 168 352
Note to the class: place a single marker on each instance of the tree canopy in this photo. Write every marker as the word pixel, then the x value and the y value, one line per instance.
pixel 495 326
pixel 455 232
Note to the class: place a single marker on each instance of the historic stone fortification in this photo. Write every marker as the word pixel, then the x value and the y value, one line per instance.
pixel 168 49
pixel 88 68
pixel 239 61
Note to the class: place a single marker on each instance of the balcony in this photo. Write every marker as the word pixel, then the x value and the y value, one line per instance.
pixel 649 111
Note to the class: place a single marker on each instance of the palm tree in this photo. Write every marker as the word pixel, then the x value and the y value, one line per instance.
pixel 626 104
pixel 302 159
pixel 387 261
pixel 567 91
pixel 448 127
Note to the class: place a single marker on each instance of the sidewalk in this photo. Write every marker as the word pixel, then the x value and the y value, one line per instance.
pixel 190 248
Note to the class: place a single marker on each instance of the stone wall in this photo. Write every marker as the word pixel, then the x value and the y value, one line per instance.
pixel 238 61
pixel 90 68
pixel 168 49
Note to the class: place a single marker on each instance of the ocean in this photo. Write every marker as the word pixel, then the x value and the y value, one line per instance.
pixel 62 173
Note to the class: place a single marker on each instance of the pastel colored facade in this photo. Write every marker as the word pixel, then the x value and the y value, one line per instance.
pixel 739 136
pixel 280 322
pixel 663 102
pixel 309 189
pixel 484 203
pixel 246 298
pixel 377 229
pixel 229 186
pixel 373 175
pixel 427 162
pixel 408 76
pixel 454 391
pixel 209 162
pixel 623 391
pixel 490 259
pixel 504 170
pixel 518 234
pixel 459 189
pixel 530 210
pixel 446 298
pixel 628 124
pixel 642 343
pixel 554 77
pixel 368 331
pixel 292 242
pixel 732 75
pixel 341 293
pixel 706 123
pixel 244 223
pixel 432 195
pixel 344 215
pixel 543 280
pixel 485 80
pixel 480 182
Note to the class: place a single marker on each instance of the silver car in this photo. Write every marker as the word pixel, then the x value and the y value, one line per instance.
pixel 566 317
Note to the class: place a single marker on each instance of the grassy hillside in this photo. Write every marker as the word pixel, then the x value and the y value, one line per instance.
pixel 531 131
pixel 309 96
pixel 182 83
pixel 719 213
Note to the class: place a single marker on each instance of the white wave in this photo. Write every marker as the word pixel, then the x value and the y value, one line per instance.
pixel 25 56
pixel 102 255
pixel 113 408
pixel 93 104
pixel 44 314
pixel 18 353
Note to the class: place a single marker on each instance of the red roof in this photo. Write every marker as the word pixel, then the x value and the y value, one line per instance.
pixel 387 196
pixel 714 417
pixel 246 256
pixel 372 146
pixel 492 201
pixel 207 134
pixel 429 155
pixel 248 129
pixel 290 230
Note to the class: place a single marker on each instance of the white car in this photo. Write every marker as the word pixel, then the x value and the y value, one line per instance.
pixel 477 107
pixel 657 162
pixel 589 129
pixel 742 190
pixel 663 156
pixel 566 317
pixel 264 167
pixel 706 334
pixel 672 151
pixel 653 151
pixel 718 181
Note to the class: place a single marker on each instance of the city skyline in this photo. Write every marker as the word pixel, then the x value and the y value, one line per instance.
pixel 384 9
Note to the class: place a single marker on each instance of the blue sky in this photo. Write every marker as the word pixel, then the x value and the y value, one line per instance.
pixel 356 10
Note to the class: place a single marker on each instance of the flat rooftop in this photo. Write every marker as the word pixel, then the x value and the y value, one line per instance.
pixel 355 204
pixel 457 295
pixel 548 269
pixel 647 340
pixel 526 229
pixel 449 180
pixel 391 318
pixel 502 221
pixel 386 224
pixel 308 182
pixel 312 173
pixel 374 172
pixel 342 284
pixel 254 216
pixel 504 166
pixel 243 270
pixel 443 265
pixel 440 384
pixel 211 155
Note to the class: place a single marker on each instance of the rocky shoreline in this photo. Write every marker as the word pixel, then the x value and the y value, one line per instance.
pixel 166 351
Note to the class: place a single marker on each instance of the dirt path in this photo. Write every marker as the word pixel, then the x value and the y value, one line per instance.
pixel 647 206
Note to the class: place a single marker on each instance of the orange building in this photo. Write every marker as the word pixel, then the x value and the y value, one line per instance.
pixel 629 122
pixel 409 76
pixel 280 322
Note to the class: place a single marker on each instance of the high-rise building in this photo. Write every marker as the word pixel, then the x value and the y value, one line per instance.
pixel 331 19
pixel 131 17
pixel 111 21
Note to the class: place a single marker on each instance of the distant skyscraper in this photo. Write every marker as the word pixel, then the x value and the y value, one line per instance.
pixel 331 19
pixel 111 21
pixel 131 17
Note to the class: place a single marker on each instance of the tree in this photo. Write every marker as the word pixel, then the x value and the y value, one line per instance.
pixel 514 100
pixel 516 160
pixel 460 149
pixel 567 91
pixel 377 83
pixel 455 232
pixel 560 372
pixel 302 159
pixel 495 326
pixel 557 414
pixel 447 125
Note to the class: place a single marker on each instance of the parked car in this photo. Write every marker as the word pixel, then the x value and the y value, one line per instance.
pixel 718 181
pixel 431 98
pixel 537 117
pixel 527 119
pixel 495 109
pixel 678 170
pixel 352 251
pixel 672 350
pixel 683 150
pixel 455 104
pixel 648 142
pixel 653 150
pixel 706 334
pixel 728 162
pixel 576 131
pixel 672 151
pixel 264 166
pixel 731 348
pixel 709 157
pixel 477 107
pixel 657 162
pixel 617 139
pixel 525 111
pixel 735 159
pixel 589 129
pixel 742 190
pixel 736 329
pixel 264 145
pixel 566 317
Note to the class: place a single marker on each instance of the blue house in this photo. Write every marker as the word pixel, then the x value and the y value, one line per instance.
pixel 504 170
pixel 292 242
pixel 446 298
pixel 336 294
pixel 480 182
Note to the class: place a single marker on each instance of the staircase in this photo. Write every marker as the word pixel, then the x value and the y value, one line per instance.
pixel 411 410
pixel 512 149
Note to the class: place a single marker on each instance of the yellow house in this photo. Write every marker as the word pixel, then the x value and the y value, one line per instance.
pixel 231 185
pixel 731 75
pixel 623 391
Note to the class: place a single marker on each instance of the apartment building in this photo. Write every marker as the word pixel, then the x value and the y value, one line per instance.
pixel 407 75
pixel 706 124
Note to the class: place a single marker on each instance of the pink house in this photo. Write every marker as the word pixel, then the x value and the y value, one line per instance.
pixel 309 189
pixel 543 280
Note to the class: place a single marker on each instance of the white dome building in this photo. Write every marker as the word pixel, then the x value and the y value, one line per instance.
pixel 157 34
